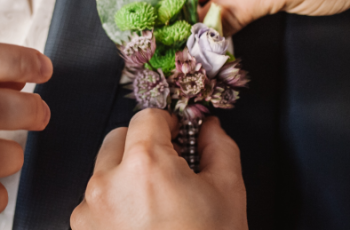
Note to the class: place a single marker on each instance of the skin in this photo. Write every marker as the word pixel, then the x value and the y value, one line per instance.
pixel 239 13
pixel 18 110
pixel 140 182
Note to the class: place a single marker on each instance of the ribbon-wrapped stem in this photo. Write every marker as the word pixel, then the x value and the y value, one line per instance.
pixel 188 140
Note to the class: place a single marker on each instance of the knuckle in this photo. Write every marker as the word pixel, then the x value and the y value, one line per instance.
pixel 18 153
pixel 115 133
pixel 3 198
pixel 149 114
pixel 76 219
pixel 29 65
pixel 94 191
pixel 236 182
pixel 36 110
pixel 140 159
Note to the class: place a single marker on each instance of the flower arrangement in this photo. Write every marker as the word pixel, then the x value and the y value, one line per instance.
pixel 173 62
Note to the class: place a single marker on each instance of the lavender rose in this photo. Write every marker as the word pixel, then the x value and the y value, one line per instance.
pixel 208 47
pixel 151 89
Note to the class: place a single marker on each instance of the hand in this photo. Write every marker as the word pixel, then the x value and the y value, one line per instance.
pixel 239 13
pixel 140 182
pixel 18 110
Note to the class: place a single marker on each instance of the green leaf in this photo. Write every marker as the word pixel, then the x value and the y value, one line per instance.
pixel 107 10
pixel 167 9
pixel 190 11
pixel 231 57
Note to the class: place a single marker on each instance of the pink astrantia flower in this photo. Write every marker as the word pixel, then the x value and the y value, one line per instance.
pixel 194 112
pixel 184 62
pixel 190 112
pixel 224 97
pixel 151 89
pixel 139 50
pixel 190 77
pixel 232 75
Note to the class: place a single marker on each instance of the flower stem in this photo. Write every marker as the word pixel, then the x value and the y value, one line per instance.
pixel 150 65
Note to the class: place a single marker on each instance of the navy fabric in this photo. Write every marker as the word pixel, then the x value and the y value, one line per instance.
pixel 82 95
pixel 292 124
pixel 313 179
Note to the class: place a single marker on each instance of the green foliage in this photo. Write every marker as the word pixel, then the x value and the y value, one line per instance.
pixel 231 57
pixel 163 58
pixel 107 10
pixel 174 34
pixel 136 16
pixel 190 11
pixel 167 9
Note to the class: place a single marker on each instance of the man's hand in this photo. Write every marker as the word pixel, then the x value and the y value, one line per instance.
pixel 18 110
pixel 239 13
pixel 140 182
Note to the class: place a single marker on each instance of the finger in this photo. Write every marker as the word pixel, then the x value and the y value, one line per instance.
pixel 3 198
pixel 20 64
pixel 12 85
pixel 151 130
pixel 177 148
pixel 11 157
pixel 79 219
pixel 220 155
pixel 112 149
pixel 20 110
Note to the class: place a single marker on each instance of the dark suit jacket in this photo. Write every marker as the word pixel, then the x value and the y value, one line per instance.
pixel 292 124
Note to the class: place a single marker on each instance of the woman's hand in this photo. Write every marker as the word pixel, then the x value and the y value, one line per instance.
pixel 18 110
pixel 239 13
pixel 140 182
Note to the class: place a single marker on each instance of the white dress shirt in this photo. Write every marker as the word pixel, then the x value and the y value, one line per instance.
pixel 25 23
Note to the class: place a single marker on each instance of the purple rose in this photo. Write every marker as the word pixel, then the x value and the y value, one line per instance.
pixel 151 89
pixel 208 47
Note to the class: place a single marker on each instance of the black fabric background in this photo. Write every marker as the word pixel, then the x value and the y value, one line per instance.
pixel 292 124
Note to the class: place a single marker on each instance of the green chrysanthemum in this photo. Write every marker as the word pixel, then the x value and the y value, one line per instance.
pixel 168 9
pixel 174 34
pixel 136 16
pixel 164 58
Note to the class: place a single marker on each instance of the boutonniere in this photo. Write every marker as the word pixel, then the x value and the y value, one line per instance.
pixel 174 62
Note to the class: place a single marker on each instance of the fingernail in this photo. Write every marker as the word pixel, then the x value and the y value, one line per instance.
pixel 46 65
pixel 47 113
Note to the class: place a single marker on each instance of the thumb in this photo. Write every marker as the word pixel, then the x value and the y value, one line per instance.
pixel 220 155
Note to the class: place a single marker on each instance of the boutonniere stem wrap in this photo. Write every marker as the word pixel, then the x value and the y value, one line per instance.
pixel 173 62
